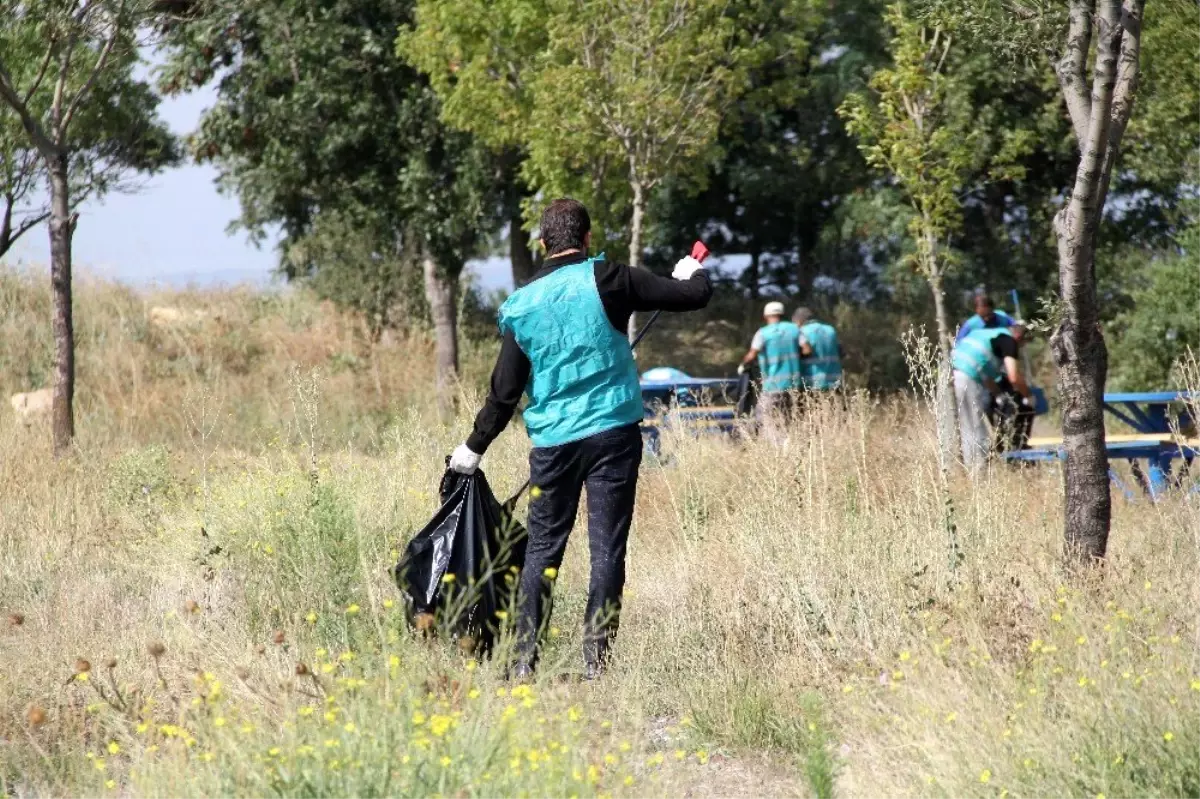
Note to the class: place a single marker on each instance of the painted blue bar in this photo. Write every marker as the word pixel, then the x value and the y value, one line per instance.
pixel 1150 396
pixel 691 383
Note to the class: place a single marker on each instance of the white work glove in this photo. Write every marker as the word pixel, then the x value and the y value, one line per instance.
pixel 464 460
pixel 686 267
pixel 741 368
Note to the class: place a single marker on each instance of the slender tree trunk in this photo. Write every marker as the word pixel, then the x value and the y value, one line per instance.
pixel 947 403
pixel 1078 343
pixel 6 225
pixel 518 250
pixel 635 239
pixel 754 274
pixel 440 289
pixel 61 225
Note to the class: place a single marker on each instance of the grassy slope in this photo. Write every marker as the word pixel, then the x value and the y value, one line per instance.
pixel 792 623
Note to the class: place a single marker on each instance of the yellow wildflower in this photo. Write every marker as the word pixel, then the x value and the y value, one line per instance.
pixel 110 784
pixel 445 761
pixel 353 609
pixel 550 572
pixel 113 747
pixel 418 718
pixel 311 618
pixel 985 776
pixel 1168 736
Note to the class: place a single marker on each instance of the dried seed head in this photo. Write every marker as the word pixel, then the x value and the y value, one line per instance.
pixel 82 666
pixel 191 606
pixel 278 637
pixel 35 716
pixel 242 672
pixel 111 664
pixel 301 670
pixel 16 619
pixel 260 649
pixel 156 649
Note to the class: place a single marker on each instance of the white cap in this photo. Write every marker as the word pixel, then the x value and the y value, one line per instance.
pixel 773 309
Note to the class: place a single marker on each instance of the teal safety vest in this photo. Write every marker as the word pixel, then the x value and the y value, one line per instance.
pixel 973 355
pixel 823 369
pixel 583 379
pixel 779 359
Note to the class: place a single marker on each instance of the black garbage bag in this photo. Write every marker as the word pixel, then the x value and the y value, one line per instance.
pixel 476 539
pixel 747 394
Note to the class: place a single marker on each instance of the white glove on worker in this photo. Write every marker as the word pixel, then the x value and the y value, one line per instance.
pixel 464 460
pixel 686 267
pixel 741 368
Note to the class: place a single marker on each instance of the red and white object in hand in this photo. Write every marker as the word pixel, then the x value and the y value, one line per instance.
pixel 690 265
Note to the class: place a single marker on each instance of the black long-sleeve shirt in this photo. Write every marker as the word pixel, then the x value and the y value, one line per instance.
pixel 622 291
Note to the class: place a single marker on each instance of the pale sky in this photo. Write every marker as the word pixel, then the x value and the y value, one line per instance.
pixel 173 231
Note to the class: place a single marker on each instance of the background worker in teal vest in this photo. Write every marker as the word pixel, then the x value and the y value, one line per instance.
pixel 776 347
pixel 565 347
pixel 986 317
pixel 820 353
pixel 980 359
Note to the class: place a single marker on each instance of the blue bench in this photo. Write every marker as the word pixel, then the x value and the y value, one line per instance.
pixel 677 403
pixel 1154 442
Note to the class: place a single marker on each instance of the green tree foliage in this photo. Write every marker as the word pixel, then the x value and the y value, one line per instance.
pixel 787 171
pixel 75 121
pixel 1162 321
pixel 319 129
pixel 1160 168
pixel 607 100
pixel 919 124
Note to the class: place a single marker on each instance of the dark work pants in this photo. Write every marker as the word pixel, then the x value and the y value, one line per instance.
pixel 607 464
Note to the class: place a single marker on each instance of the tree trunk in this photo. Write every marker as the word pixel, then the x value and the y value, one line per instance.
pixel 635 240
pixel 61 230
pixel 440 294
pixel 753 274
pixel 518 250
pixel 947 404
pixel 1078 343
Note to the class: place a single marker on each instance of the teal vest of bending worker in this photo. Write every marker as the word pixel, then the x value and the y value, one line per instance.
pixel 779 359
pixel 583 379
pixel 973 355
pixel 823 369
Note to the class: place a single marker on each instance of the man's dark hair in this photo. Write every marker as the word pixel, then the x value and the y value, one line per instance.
pixel 564 225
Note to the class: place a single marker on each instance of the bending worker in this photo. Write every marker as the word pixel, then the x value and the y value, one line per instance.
pixel 980 359
pixel 776 347
pixel 821 353
pixel 565 346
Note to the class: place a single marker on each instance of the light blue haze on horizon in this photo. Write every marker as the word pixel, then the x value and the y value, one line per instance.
pixel 173 231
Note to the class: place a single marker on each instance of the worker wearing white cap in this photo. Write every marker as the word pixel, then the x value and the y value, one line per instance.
pixel 776 347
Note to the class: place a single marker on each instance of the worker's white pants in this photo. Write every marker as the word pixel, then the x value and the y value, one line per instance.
pixel 775 410
pixel 973 428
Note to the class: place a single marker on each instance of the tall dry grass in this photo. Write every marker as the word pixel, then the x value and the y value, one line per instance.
pixel 794 623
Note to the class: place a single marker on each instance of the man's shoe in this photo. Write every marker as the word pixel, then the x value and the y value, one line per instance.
pixel 592 672
pixel 522 672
